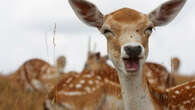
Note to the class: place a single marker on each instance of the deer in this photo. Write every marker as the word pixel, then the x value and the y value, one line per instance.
pixel 175 64
pixel 96 74
pixel 182 97
pixel 61 63
pixel 155 73
pixel 179 78
pixel 36 74
pixel 95 62
pixel 127 32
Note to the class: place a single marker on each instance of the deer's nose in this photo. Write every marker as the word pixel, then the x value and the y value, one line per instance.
pixel 133 51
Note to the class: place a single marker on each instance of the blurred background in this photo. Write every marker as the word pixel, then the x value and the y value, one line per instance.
pixel 26 31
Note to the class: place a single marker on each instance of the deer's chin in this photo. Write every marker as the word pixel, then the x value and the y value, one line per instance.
pixel 132 65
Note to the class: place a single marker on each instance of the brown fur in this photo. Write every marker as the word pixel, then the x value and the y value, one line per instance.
pixel 14 97
pixel 128 16
pixel 97 66
pixel 179 79
pixel 182 96
pixel 118 24
pixel 36 69
pixel 127 27
pixel 97 69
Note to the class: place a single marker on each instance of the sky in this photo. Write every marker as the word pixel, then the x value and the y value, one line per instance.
pixel 26 31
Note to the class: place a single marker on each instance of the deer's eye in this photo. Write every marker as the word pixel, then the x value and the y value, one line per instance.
pixel 148 30
pixel 107 31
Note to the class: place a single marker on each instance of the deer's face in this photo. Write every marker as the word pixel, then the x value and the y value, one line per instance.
pixel 61 62
pixel 93 61
pixel 127 32
pixel 52 72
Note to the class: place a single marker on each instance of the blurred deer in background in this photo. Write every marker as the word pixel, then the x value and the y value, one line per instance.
pixel 182 97
pixel 179 78
pixel 175 64
pixel 155 74
pixel 34 74
pixel 97 80
pixel 61 63
pixel 127 32
pixel 96 65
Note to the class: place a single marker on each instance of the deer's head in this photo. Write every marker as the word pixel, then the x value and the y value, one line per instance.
pixel 127 31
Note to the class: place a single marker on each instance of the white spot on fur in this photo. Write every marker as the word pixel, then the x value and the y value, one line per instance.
pixel 186 102
pixel 88 89
pixel 187 87
pixel 37 84
pixel 97 81
pixel 71 93
pixel 88 76
pixel 112 83
pixel 90 82
pixel 78 86
pixel 69 80
pixel 82 81
pixel 98 77
pixel 177 92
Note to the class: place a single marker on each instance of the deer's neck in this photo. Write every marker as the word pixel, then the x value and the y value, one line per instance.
pixel 135 96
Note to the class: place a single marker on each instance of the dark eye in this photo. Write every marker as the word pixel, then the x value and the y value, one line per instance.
pixel 106 31
pixel 148 30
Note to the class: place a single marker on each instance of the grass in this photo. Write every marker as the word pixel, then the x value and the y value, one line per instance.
pixel 14 97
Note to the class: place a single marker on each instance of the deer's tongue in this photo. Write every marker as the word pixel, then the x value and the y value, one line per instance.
pixel 131 64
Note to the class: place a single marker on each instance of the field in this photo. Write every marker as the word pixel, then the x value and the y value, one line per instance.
pixel 14 97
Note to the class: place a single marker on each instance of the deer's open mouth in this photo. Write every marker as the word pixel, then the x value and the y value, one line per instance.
pixel 131 64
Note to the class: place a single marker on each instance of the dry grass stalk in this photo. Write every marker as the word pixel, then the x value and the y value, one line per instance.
pixel 54 43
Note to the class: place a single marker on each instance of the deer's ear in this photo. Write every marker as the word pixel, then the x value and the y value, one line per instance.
pixel 87 12
pixel 166 12
pixel 98 55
